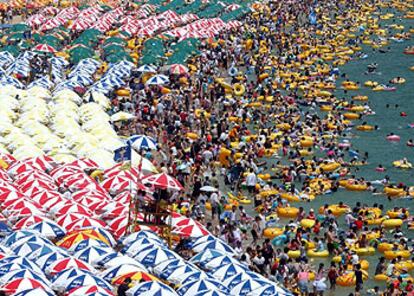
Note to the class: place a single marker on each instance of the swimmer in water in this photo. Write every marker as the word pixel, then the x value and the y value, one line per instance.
pixel 410 143
pixel 380 168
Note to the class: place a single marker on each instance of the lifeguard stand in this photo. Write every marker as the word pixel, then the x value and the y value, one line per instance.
pixel 156 213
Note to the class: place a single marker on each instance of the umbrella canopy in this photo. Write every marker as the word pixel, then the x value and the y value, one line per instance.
pixel 21 284
pixel 48 229
pixel 158 80
pixel 178 69
pixel 89 290
pixel 151 288
pixel 92 254
pixel 215 245
pixel 23 274
pixel 86 279
pixel 163 181
pixel 154 256
pixel 119 270
pixel 44 48
pixel 147 69
pixel 137 276
pixel 248 285
pixel 122 116
pixel 227 271
pixel 142 142
pixel 192 288
pixel 66 263
pixel 208 189
pixel 34 292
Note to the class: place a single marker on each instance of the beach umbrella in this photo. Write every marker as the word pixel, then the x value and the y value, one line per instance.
pixel 217 262
pixel 120 270
pixel 78 236
pixel 46 260
pixel 66 263
pixel 141 142
pixel 158 80
pixel 217 245
pixel 24 235
pixel 12 49
pixel 151 257
pixel 165 268
pixel 184 278
pixel 139 235
pixel 24 274
pixel 48 229
pixel 147 69
pixel 191 231
pixel 34 292
pixel 154 288
pixel 172 272
pixel 226 271
pixel 163 181
pixel 211 293
pixel 89 290
pixel 85 222
pixel 178 69
pixel 247 286
pixel 87 279
pixel 86 244
pixel 21 284
pixel 44 48
pixel 208 189
pixel 26 248
pixel 136 276
pixel 92 254
pixel 122 116
pixel 192 288
pixel 61 279
pixel 9 267
pixel 4 228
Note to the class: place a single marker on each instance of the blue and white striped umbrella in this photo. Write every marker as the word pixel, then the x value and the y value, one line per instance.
pixel 192 288
pixel 168 266
pixel 112 80
pixel 151 289
pixel 184 278
pixel 242 276
pixel 141 142
pixel 90 69
pixel 59 61
pixel 87 243
pixel 217 262
pixel 226 271
pixel 126 64
pixel 61 279
pixel 7 80
pixel 24 273
pixel 66 85
pixel 47 250
pixel 83 80
pixel 42 82
pixel 140 234
pixel 211 293
pixel 158 80
pixel 27 55
pixel 140 245
pixel 23 235
pixel 206 255
pixel 119 72
pixel 46 260
pixel 247 286
pixel 151 257
pixel 217 245
pixel 90 61
pixel 111 273
pixel 80 72
pixel 27 248
pixel 48 229
pixel 92 254
pixel 171 273
pixel 21 261
pixel 87 279
pixel 6 58
pixel 34 292
pixel 8 267
pixel 147 69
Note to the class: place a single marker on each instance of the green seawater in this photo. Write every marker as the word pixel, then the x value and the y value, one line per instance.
pixel 391 64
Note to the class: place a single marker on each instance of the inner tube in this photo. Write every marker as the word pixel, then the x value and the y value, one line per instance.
pixel 393 138
pixel 239 89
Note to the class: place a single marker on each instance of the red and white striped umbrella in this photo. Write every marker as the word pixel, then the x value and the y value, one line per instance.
pixel 68 219
pixel 17 205
pixel 24 212
pixel 85 163
pixel 18 285
pixel 80 25
pixel 36 20
pixel 191 231
pixel 73 208
pixel 233 25
pixel 163 181
pixel 66 263
pixel 115 212
pixel 51 10
pixel 118 184
pixel 64 171
pixel 43 162
pixel 47 200
pixel 89 193
pixel 11 195
pixel 32 186
pixel 85 222
pixel 31 176
pixel 44 48
pixel 49 24
pixel 18 168
pixel 178 69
